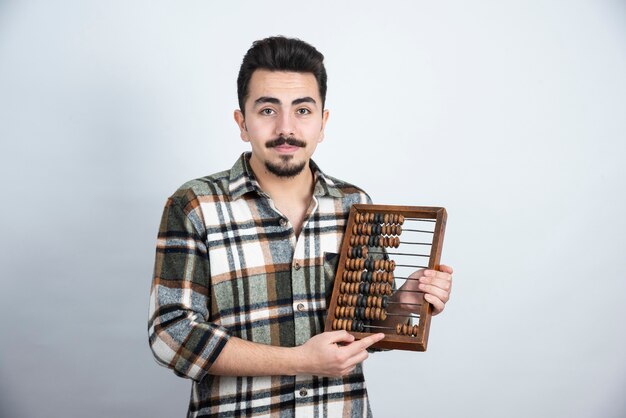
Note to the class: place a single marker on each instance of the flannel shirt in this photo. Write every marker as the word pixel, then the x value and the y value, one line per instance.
pixel 228 263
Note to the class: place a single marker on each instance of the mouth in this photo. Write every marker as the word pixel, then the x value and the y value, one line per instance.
pixel 286 148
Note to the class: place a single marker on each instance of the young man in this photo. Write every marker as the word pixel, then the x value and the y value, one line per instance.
pixel 245 260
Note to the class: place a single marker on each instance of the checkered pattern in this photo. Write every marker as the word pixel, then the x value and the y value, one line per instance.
pixel 228 264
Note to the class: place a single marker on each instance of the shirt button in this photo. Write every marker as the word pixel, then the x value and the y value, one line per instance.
pixel 303 392
pixel 297 266
pixel 283 222
pixel 300 307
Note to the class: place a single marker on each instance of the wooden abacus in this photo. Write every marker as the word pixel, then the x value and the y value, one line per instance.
pixel 367 276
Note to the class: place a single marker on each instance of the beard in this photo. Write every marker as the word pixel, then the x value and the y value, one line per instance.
pixel 285 168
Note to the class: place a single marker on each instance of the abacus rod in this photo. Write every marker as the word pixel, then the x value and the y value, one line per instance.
pixel 406 278
pixel 420 219
pixel 404 315
pixel 412 255
pixel 410 265
pixel 409 291
pixel 418 230
pixel 416 304
pixel 376 326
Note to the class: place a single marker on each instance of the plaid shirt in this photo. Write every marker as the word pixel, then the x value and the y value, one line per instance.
pixel 229 264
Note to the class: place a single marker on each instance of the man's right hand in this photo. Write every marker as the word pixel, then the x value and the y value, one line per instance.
pixel 334 353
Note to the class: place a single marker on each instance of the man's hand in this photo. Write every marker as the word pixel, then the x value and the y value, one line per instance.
pixel 323 356
pixel 436 286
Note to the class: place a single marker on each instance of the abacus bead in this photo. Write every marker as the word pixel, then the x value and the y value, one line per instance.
pixel 401 219
pixel 366 288
pixel 383 314
pixel 361 326
pixel 415 329
pixel 384 301
pixel 399 329
pixel 386 218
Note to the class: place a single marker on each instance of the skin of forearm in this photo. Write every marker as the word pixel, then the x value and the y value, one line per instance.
pixel 244 358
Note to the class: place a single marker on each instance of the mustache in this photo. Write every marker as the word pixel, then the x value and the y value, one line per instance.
pixel 294 142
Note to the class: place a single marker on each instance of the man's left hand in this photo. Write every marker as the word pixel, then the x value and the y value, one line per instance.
pixel 436 286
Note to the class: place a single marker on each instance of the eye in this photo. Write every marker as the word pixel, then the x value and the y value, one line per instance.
pixel 303 111
pixel 267 112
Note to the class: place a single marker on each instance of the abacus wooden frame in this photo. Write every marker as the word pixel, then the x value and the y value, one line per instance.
pixel 394 341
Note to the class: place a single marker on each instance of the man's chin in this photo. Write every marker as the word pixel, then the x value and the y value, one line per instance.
pixel 285 169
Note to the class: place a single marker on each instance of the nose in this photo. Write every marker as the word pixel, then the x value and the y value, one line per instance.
pixel 285 125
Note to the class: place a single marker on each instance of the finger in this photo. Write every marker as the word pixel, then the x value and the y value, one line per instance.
pixel 438 292
pixel 361 345
pixel 347 371
pixel 446 269
pixel 434 274
pixel 417 273
pixel 442 283
pixel 437 303
pixel 357 358
pixel 339 337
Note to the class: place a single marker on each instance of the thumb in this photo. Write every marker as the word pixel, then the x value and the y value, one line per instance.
pixel 340 337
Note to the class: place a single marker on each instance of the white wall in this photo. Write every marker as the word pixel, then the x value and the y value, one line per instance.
pixel 512 115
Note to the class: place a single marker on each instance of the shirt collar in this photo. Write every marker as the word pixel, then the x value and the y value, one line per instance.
pixel 242 180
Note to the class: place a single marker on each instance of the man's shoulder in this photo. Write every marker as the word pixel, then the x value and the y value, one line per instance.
pixel 216 184
pixel 347 188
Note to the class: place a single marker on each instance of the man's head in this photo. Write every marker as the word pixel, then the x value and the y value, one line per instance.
pixel 278 53
pixel 282 88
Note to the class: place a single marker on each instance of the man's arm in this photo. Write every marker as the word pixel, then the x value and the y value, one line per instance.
pixel 332 354
pixel 183 338
pixel 180 335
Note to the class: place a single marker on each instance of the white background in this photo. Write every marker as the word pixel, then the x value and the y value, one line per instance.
pixel 510 114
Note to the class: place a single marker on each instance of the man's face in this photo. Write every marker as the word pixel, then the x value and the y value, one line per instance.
pixel 284 121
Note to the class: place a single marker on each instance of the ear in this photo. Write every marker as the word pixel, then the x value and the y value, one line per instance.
pixel 240 119
pixel 325 116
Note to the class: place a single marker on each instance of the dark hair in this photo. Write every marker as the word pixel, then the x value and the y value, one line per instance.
pixel 278 53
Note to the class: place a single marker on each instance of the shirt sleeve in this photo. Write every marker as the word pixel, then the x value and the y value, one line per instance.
pixel 181 334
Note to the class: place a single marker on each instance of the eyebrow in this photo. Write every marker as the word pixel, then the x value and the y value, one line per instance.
pixel 274 100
